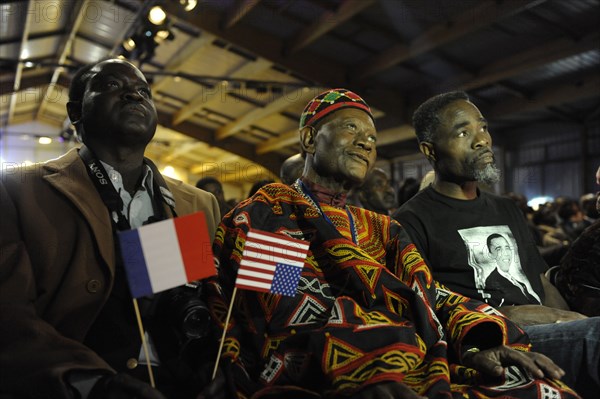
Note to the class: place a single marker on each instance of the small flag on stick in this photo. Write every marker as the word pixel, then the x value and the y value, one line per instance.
pixel 271 263
pixel 167 254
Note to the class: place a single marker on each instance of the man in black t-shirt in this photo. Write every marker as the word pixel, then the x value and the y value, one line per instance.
pixel 450 223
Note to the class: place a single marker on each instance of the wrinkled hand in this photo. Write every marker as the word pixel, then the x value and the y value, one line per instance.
pixel 216 389
pixel 525 315
pixel 123 386
pixel 492 362
pixel 387 390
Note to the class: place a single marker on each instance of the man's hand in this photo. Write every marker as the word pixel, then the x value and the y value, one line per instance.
pixel 123 386
pixel 387 390
pixel 492 362
pixel 527 315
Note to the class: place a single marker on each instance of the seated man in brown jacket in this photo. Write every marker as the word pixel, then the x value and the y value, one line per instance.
pixel 67 323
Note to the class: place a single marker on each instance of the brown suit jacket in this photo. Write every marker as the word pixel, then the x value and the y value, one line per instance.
pixel 57 263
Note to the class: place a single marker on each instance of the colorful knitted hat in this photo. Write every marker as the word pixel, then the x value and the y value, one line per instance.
pixel 331 101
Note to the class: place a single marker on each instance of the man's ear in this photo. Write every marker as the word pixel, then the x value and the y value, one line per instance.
pixel 427 149
pixel 74 111
pixel 307 139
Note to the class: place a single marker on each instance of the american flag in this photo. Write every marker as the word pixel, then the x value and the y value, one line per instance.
pixel 271 263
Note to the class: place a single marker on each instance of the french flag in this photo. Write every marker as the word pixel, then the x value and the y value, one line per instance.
pixel 167 254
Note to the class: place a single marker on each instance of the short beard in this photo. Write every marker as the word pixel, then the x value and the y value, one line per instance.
pixel 489 175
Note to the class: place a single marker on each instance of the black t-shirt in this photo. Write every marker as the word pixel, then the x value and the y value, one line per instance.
pixel 480 248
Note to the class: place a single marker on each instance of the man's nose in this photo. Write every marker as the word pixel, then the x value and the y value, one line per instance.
pixel 481 139
pixel 132 94
pixel 362 140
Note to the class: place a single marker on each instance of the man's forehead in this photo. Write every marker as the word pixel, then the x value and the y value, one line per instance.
pixel 348 113
pixel 459 109
pixel 116 66
pixel 456 115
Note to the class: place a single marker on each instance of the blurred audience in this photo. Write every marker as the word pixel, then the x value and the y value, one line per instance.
pixel 553 249
pixel 214 186
pixel 407 190
pixel 578 278
pixel 588 207
pixel 546 220
pixel 571 217
pixel 376 193
pixel 291 169
pixel 258 185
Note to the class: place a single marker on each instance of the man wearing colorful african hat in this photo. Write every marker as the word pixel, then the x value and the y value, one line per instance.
pixel 367 320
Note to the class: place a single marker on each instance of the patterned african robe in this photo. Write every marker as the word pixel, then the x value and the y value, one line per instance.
pixel 363 313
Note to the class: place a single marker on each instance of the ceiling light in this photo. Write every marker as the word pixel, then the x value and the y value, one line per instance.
pixel 157 15
pixel 170 171
pixel 129 44
pixel 44 140
pixel 188 5
pixel 163 34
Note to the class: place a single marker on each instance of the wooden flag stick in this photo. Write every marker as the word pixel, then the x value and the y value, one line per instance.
pixel 144 342
pixel 224 332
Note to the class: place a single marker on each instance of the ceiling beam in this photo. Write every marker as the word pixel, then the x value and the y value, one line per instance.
pixel 524 61
pixel 64 49
pixel 476 18
pixel 328 21
pixel 283 140
pixel 32 36
pixel 182 149
pixel 26 83
pixel 395 135
pixel 246 71
pixel 249 69
pixel 278 105
pixel 586 86
pixel 239 11
pixel 19 67
pixel 194 47
pixel 230 144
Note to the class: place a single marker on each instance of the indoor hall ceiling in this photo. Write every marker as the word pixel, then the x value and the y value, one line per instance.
pixel 235 75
